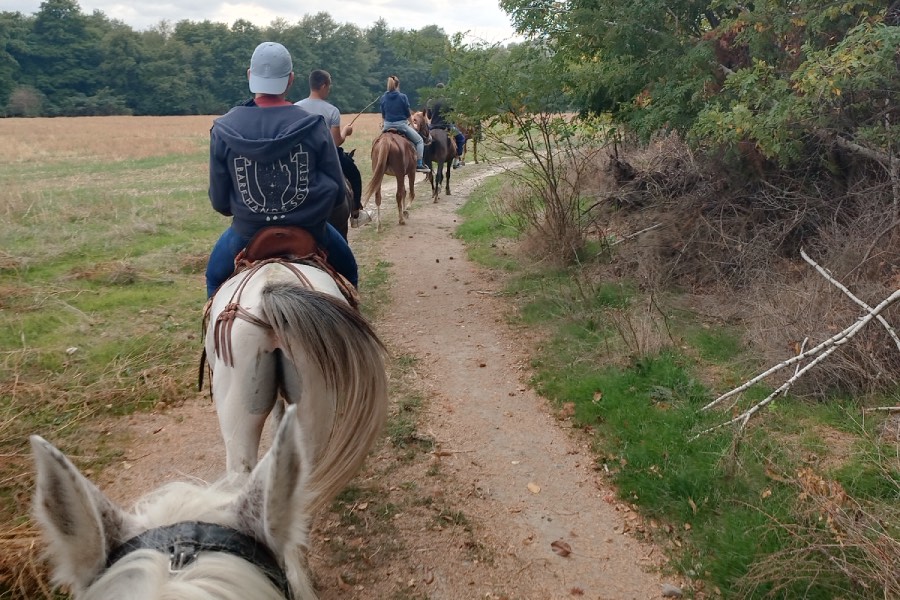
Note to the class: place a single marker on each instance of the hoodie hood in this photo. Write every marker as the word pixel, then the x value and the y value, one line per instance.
pixel 243 136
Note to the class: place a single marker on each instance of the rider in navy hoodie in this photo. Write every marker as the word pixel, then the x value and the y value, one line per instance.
pixel 273 163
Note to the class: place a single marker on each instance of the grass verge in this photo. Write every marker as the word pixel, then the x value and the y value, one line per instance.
pixel 768 514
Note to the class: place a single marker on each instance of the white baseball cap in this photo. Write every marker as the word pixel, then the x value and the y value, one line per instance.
pixel 270 69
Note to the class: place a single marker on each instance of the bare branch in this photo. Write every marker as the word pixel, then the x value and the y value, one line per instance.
pixel 744 417
pixel 832 342
pixel 870 153
pixel 635 234
pixel 824 273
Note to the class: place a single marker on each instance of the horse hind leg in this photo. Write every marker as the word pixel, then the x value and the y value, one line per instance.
pixel 447 184
pixel 436 188
pixel 378 210
pixel 401 202
pixel 244 396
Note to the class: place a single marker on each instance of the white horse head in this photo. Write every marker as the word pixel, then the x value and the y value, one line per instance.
pixel 183 541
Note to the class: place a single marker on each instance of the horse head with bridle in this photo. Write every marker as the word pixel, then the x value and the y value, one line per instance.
pixel 351 200
pixel 392 154
pixel 441 150
pixel 472 132
pixel 184 541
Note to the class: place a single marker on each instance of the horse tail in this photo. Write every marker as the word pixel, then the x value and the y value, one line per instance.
pixel 339 349
pixel 380 153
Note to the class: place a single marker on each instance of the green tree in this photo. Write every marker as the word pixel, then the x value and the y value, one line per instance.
pixel 13 29
pixel 61 54
pixel 165 75
pixel 521 98
pixel 727 71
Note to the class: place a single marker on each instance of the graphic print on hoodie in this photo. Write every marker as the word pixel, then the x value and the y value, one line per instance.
pixel 273 188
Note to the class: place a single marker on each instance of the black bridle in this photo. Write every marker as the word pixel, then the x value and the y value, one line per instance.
pixel 183 542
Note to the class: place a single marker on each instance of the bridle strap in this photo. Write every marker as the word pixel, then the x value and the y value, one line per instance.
pixel 182 542
pixel 233 310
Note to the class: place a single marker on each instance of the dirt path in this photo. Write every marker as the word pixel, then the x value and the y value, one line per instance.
pixel 478 514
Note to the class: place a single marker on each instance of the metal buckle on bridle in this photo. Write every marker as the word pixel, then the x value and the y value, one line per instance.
pixel 181 554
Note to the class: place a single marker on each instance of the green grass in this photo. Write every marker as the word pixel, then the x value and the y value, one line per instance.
pixel 481 229
pixel 727 505
pixel 101 293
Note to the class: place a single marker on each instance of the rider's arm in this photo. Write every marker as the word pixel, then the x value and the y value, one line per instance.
pixel 329 165
pixel 341 135
pixel 219 177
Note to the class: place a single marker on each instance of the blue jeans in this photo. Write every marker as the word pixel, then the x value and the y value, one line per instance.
pixel 230 243
pixel 406 129
pixel 460 143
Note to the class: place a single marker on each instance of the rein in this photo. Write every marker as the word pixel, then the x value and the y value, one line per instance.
pixel 233 310
pixel 183 542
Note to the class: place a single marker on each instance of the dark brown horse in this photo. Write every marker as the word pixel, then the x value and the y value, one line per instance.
pixel 392 154
pixel 342 212
pixel 441 150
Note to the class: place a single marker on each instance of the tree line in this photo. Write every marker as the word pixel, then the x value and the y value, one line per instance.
pixel 62 62
pixel 783 83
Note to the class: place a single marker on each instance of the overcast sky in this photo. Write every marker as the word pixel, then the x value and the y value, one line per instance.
pixel 483 19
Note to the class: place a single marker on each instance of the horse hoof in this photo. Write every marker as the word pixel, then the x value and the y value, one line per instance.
pixel 405 216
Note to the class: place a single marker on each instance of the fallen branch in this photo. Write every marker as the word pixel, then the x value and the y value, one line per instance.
pixel 821 352
pixel 824 273
pixel 635 234
pixel 744 417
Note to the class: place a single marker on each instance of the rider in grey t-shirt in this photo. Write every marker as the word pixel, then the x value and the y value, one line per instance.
pixel 316 103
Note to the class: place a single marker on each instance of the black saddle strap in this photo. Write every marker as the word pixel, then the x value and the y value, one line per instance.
pixel 182 542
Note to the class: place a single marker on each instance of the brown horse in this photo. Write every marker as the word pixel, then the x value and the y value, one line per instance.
pixel 472 134
pixel 441 150
pixel 392 154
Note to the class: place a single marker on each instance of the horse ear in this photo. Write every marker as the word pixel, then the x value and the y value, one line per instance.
pixel 351 153
pixel 277 489
pixel 79 522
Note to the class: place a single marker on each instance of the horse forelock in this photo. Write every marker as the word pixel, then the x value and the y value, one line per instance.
pixel 183 501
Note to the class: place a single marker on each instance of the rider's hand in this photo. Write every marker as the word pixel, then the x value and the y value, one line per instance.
pixel 348 131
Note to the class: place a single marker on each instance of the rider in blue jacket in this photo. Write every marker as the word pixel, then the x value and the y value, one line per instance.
pixel 273 163
pixel 395 112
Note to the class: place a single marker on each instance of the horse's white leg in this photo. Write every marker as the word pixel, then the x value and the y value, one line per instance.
pixel 244 395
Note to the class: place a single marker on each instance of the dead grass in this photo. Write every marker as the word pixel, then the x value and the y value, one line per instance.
pixel 741 238
pixel 837 543
pixel 28 141
pixel 22 570
pixel 75 180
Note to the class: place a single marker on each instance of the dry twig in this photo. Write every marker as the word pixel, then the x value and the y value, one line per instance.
pixel 824 273
pixel 820 352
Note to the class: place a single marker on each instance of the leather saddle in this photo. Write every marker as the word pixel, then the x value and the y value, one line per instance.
pixel 292 244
